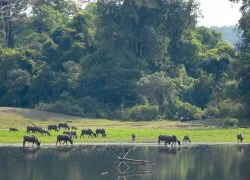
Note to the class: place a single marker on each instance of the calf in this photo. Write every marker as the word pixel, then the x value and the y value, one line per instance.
pixel 240 137
pixel 87 132
pixel 32 139
pixel 13 129
pixel 54 127
pixel 133 137
pixel 186 139
pixel 73 128
pixel 63 125
pixel 65 138
pixel 100 131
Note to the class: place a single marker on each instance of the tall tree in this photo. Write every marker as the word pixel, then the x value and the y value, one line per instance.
pixel 244 64
pixel 11 12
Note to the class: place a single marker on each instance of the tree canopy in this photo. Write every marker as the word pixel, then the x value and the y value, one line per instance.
pixel 114 58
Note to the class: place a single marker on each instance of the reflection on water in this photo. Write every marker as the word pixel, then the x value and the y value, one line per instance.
pixel 194 162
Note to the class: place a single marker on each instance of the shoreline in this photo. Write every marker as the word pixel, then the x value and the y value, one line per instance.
pixel 139 144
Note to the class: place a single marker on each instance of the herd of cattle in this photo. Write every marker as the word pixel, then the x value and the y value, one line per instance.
pixel 68 136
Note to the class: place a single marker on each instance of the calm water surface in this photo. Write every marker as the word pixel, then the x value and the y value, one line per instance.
pixel 86 162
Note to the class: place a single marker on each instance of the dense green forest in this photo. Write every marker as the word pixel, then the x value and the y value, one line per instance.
pixel 121 59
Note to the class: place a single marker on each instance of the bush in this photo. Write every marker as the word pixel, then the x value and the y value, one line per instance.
pixel 184 108
pixel 44 107
pixel 231 122
pixel 211 112
pixel 143 112
pixel 61 106
pixel 229 108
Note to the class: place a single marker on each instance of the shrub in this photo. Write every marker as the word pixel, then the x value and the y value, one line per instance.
pixel 61 106
pixel 184 108
pixel 229 108
pixel 231 122
pixel 44 106
pixel 143 112
pixel 211 112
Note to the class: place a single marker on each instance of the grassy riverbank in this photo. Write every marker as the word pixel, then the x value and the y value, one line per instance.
pixel 117 131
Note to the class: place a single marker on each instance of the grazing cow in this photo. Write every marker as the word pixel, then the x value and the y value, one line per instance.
pixel 33 128
pixel 63 125
pixel 67 132
pixel 13 129
pixel 133 137
pixel 73 134
pixel 32 139
pixel 87 132
pixel 54 126
pixel 44 132
pixel 73 128
pixel 162 138
pixel 100 131
pixel 65 138
pixel 186 139
pixel 172 139
pixel 240 137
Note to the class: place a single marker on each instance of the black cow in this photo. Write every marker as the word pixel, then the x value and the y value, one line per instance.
pixel 63 125
pixel 186 139
pixel 67 132
pixel 100 131
pixel 240 137
pixel 162 138
pixel 87 132
pixel 33 128
pixel 172 139
pixel 65 138
pixel 32 139
pixel 54 126
pixel 73 134
pixel 44 132
pixel 13 129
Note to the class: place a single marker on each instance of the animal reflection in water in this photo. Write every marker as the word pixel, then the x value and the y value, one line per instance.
pixel 64 151
pixel 31 153
pixel 165 150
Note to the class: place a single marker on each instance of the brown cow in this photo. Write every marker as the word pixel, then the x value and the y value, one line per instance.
pixel 240 137
pixel 13 129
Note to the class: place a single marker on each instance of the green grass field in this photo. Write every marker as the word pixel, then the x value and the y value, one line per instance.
pixel 117 131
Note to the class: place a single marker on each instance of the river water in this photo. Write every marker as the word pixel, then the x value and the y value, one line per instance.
pixel 94 162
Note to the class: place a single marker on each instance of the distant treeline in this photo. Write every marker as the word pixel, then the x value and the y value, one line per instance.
pixel 229 33
pixel 131 59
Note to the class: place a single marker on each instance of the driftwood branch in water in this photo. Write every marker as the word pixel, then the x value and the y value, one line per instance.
pixel 124 160
pixel 135 161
